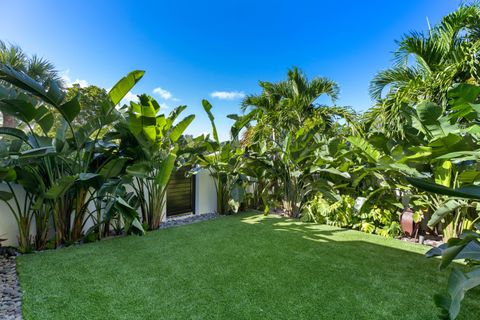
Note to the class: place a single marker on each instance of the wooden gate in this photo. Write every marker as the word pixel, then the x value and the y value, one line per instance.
pixel 180 193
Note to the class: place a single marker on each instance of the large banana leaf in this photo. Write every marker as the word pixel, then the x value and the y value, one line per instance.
pixel 366 148
pixel 113 168
pixel 139 169
pixel 60 187
pixel 44 118
pixel 458 284
pixel 38 152
pixel 461 155
pixel 70 109
pixel 130 215
pixel 470 191
pixel 165 170
pixel 124 85
pixel 443 173
pixel 21 109
pixel 208 107
pixel 237 194
pixel 446 208
pixel 173 116
pixel 14 132
pixel 19 79
pixel 178 130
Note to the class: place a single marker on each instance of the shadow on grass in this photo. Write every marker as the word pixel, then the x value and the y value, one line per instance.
pixel 395 272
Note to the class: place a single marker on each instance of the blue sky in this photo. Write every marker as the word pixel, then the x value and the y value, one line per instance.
pixel 191 49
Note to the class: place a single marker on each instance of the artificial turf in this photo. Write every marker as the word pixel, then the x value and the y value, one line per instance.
pixel 239 267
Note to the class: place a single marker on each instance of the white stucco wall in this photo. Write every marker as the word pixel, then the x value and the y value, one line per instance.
pixel 205 202
pixel 8 224
pixel 205 193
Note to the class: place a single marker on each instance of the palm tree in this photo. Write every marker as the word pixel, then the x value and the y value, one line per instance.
pixel 36 67
pixel 286 105
pixel 281 123
pixel 425 66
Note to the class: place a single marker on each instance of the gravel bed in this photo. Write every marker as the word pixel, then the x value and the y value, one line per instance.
pixel 10 296
pixel 187 219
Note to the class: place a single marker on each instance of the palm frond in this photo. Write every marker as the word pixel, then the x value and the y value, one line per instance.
pixel 394 78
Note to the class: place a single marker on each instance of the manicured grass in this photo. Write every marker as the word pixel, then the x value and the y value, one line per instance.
pixel 240 267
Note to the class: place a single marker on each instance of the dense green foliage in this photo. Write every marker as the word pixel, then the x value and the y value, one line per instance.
pixel 80 156
pixel 74 170
pixel 246 266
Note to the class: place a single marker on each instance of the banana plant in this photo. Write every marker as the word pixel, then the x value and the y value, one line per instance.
pixel 454 148
pixel 448 154
pixel 68 165
pixel 150 138
pixel 466 247
pixel 223 160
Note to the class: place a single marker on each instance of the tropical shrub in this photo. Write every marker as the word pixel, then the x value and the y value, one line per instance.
pixel 150 138
pixel 61 172
pixel 347 213
pixel 223 160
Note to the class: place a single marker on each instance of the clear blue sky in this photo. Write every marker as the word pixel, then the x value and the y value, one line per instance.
pixel 194 48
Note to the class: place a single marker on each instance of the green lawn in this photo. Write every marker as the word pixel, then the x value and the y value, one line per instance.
pixel 241 267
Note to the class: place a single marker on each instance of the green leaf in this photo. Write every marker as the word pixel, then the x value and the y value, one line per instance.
pixel 14 132
pixel 5 196
pixel 20 109
pixel 458 284
pixel 137 225
pixel 55 94
pixel 446 208
pixel 113 168
pixel 469 177
pixel 90 179
pixel 22 81
pixel 454 247
pixel 44 118
pixel 124 85
pixel 70 109
pixel 428 112
pixel 38 152
pixel 443 173
pixel 366 148
pixel 460 155
pixel 165 170
pixel 465 92
pixel 208 107
pixel 7 174
pixel 237 193
pixel 31 181
pixel 129 214
pixel 178 130
pixel 173 116
pixel 60 187
pixel 334 171
pixel 141 169
pixel 469 192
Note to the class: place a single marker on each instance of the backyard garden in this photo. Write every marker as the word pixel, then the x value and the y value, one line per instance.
pixel 313 201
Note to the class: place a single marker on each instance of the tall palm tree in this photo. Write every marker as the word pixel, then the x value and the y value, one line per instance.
pixel 425 66
pixel 36 67
pixel 286 105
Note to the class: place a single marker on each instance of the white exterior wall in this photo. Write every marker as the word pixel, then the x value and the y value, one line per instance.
pixel 205 193
pixel 8 224
pixel 205 202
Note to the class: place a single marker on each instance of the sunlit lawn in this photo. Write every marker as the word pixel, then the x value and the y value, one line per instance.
pixel 241 267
